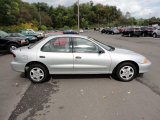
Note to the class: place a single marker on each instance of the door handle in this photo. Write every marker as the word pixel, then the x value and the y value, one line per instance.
pixel 42 56
pixel 78 57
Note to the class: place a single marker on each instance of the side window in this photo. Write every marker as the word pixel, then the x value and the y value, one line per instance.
pixel 57 45
pixel 81 45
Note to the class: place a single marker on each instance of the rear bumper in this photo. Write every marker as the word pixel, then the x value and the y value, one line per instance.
pixel 144 67
pixel 19 67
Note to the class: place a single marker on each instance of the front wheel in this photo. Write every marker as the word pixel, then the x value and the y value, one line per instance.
pixel 37 73
pixel 154 35
pixel 129 35
pixel 143 35
pixel 12 46
pixel 126 72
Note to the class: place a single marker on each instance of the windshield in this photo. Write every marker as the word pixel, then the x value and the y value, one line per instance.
pixel 107 47
pixel 3 34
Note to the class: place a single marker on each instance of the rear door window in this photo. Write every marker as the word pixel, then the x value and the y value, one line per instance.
pixel 61 44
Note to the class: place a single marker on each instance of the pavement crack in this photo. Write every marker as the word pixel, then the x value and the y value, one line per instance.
pixel 34 100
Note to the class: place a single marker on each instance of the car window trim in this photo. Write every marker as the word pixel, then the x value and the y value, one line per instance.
pixel 84 52
pixel 71 51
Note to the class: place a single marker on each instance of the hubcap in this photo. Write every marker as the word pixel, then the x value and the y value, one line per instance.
pixel 126 72
pixel 36 74
pixel 154 35
pixel 12 48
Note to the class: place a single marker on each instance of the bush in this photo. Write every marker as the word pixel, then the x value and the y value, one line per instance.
pixel 66 28
pixel 17 28
pixel 43 27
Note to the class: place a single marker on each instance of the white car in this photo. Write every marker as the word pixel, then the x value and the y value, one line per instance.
pixel 75 54
pixel 81 31
pixel 156 33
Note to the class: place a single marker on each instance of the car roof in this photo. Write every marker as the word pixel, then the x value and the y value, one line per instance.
pixel 68 35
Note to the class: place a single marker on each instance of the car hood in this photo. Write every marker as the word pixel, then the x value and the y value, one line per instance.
pixel 125 51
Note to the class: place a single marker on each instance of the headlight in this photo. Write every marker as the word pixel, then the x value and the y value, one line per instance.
pixel 145 61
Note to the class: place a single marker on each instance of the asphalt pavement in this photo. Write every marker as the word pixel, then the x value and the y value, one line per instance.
pixel 85 97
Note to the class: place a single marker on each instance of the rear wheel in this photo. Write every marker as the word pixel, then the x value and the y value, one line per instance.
pixel 37 73
pixel 126 72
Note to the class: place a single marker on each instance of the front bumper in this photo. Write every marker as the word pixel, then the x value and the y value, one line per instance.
pixel 16 66
pixel 144 67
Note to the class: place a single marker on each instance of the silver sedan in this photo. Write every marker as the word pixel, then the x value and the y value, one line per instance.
pixel 75 54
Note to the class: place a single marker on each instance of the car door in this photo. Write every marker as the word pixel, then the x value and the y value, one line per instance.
pixel 88 59
pixel 57 55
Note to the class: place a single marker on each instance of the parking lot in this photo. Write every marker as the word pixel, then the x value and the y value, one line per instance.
pixel 85 97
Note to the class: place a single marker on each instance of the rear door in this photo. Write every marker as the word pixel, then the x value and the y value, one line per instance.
pixel 87 60
pixel 57 55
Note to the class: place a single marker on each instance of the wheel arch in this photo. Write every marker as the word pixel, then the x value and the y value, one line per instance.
pixel 35 62
pixel 127 61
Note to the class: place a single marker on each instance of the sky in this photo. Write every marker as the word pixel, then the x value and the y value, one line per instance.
pixel 137 8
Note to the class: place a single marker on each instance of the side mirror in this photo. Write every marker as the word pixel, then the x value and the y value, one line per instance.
pixel 101 51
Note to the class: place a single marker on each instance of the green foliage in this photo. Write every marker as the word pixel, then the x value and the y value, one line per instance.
pixel 66 28
pixel 16 28
pixel 43 27
pixel 16 15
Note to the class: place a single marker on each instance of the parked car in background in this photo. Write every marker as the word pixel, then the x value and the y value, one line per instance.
pixel 30 33
pixel 75 54
pixel 31 39
pixel 156 33
pixel 105 30
pixel 40 33
pixel 132 31
pixel 113 31
pixel 147 31
pixel 121 29
pixel 81 31
pixel 70 32
pixel 10 43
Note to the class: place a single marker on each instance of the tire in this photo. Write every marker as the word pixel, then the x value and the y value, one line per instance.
pixel 129 35
pixel 12 46
pixel 143 35
pixel 154 35
pixel 126 72
pixel 41 73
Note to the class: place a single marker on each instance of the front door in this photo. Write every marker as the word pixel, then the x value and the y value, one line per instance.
pixel 87 59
